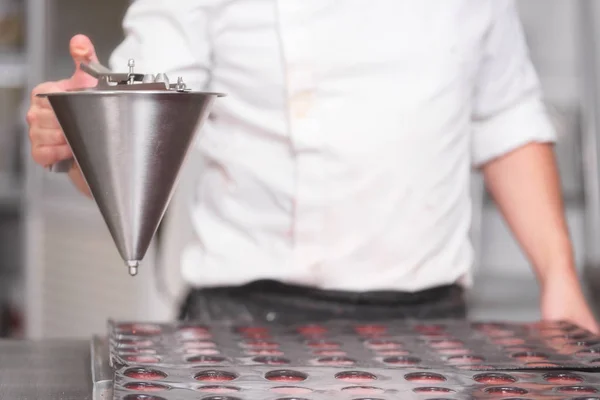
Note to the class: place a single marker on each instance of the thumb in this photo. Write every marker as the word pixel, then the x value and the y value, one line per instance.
pixel 82 50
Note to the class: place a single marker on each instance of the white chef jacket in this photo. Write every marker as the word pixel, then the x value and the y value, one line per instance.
pixel 341 156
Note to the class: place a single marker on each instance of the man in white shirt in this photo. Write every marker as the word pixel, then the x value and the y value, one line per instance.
pixel 335 179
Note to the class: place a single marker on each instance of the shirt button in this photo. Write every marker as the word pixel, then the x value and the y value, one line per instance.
pixel 271 316
pixel 301 104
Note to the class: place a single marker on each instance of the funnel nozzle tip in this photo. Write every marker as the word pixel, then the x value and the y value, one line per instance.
pixel 133 267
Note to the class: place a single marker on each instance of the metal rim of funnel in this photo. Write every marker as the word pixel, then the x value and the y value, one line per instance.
pixel 96 92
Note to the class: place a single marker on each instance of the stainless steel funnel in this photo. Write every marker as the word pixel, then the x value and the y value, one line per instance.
pixel 130 141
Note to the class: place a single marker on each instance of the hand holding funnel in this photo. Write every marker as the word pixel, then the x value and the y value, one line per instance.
pixel 130 135
pixel 49 146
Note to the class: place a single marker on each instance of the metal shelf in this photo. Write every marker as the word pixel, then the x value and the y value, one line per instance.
pixel 13 70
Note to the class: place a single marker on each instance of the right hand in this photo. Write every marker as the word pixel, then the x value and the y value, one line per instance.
pixel 48 143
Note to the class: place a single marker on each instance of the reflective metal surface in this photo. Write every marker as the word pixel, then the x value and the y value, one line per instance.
pixel 102 372
pixel 130 146
pixel 45 370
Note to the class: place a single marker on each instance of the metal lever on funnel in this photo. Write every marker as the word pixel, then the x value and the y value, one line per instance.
pixel 95 69
pixel 63 166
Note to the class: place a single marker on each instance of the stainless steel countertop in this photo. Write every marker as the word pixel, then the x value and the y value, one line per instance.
pixel 46 369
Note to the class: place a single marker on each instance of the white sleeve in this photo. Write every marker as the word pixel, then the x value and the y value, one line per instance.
pixel 508 111
pixel 167 36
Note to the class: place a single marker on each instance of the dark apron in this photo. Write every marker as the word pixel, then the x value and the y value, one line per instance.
pixel 275 302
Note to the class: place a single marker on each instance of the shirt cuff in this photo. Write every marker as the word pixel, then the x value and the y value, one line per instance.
pixel 513 128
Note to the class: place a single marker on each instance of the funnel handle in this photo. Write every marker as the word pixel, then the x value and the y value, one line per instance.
pixel 61 166
pixel 95 69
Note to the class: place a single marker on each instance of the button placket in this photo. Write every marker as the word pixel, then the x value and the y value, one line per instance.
pixel 306 139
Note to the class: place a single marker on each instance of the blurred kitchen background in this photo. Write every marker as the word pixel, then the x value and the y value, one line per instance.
pixel 60 274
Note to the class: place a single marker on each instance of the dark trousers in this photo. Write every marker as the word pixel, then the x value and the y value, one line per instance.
pixel 275 302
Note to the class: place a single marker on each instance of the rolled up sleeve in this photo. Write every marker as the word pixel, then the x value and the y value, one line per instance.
pixel 167 37
pixel 508 110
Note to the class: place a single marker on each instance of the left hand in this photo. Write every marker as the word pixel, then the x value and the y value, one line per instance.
pixel 563 299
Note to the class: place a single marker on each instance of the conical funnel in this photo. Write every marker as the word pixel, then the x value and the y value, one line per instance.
pixel 130 145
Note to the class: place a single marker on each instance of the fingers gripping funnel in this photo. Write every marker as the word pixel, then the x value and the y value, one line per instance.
pixel 130 145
